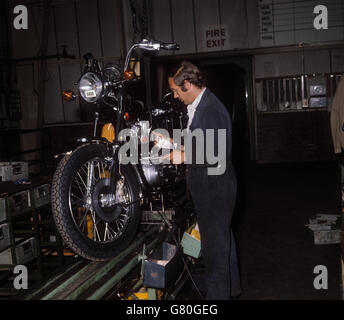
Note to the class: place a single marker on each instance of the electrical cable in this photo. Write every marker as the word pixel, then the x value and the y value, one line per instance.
pixel 177 244
pixel 188 271
pixel 176 282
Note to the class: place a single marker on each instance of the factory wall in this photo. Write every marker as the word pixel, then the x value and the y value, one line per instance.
pixel 243 24
pixel 78 26
pixel 199 26
pixel 260 29
pixel 284 43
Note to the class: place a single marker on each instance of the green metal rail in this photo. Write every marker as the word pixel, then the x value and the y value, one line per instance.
pixel 93 280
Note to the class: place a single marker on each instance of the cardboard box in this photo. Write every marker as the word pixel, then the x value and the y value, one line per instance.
pixel 191 242
pixel 163 267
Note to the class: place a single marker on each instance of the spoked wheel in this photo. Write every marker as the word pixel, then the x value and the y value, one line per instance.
pixel 94 223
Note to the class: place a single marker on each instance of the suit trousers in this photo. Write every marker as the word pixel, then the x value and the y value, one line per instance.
pixel 214 197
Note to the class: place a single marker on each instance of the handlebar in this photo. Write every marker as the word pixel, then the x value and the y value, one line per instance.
pixel 156 45
pixel 169 46
pixel 149 45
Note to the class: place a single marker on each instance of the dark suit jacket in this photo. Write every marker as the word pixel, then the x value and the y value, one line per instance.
pixel 211 114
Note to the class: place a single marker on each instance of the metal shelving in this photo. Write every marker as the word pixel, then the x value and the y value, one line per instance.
pixel 30 228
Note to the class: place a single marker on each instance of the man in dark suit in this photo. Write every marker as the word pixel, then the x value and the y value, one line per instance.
pixel 213 192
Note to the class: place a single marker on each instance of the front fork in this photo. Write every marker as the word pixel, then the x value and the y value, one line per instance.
pixel 90 175
pixel 115 168
pixel 111 183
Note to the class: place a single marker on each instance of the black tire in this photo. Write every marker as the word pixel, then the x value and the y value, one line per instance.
pixel 72 225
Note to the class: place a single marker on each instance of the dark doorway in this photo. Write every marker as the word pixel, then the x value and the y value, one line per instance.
pixel 227 82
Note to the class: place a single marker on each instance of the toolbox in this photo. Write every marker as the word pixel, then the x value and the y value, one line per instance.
pixel 25 252
pixel 42 195
pixel 13 171
pixel 4 236
pixel 162 267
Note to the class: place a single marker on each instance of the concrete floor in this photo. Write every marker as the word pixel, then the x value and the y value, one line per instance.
pixel 276 250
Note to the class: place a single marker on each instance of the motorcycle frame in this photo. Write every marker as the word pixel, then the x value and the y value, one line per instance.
pixel 113 147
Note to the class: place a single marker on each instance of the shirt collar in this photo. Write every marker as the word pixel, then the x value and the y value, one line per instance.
pixel 192 107
pixel 195 103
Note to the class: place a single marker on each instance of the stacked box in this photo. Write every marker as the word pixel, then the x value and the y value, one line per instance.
pixel 3 216
pixel 317 90
pixel 25 252
pixel 318 102
pixel 13 171
pixel 4 236
pixel 42 195
pixel 326 236
pixel 20 202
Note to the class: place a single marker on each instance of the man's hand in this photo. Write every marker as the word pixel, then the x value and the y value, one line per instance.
pixel 157 136
pixel 163 141
pixel 176 157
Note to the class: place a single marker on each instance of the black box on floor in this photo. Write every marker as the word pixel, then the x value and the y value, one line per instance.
pixel 163 266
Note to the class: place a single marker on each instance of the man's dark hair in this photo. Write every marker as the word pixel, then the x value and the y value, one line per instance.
pixel 185 70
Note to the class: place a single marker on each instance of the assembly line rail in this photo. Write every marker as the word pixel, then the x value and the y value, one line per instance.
pixel 92 280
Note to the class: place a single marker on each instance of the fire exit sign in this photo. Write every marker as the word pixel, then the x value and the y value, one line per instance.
pixel 215 38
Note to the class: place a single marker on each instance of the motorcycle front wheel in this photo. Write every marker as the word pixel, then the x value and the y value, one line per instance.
pixel 94 223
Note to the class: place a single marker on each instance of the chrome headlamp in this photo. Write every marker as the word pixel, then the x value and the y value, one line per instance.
pixel 90 87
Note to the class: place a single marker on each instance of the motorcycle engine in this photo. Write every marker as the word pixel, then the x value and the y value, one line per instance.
pixel 167 116
pixel 160 174
pixel 153 174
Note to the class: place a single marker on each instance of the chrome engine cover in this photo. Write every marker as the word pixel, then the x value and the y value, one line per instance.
pixel 153 174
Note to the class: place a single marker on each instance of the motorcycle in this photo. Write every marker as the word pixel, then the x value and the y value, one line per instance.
pixel 96 199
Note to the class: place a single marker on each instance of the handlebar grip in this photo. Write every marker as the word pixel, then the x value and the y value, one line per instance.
pixel 170 46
